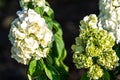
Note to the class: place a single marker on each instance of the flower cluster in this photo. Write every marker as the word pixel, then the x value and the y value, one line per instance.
pixel 34 3
pixel 39 3
pixel 109 17
pixel 95 72
pixel 30 36
pixel 93 48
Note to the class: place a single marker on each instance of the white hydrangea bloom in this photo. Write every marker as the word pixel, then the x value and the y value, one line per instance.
pixel 39 2
pixel 35 3
pixel 30 36
pixel 109 17
pixel 26 1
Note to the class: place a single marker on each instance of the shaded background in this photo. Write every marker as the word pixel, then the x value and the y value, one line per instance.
pixel 67 12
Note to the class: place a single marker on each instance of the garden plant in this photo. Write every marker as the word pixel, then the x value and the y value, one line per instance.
pixel 37 42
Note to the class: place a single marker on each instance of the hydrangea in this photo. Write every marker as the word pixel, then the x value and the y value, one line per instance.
pixel 35 3
pixel 30 36
pixel 39 3
pixel 108 59
pixel 95 72
pixel 82 61
pixel 26 1
pixel 109 17
pixel 93 48
pixel 89 21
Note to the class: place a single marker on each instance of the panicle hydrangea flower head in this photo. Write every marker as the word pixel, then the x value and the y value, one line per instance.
pixel 89 21
pixel 108 59
pixel 30 36
pixel 109 17
pixel 82 61
pixel 95 72
pixel 93 48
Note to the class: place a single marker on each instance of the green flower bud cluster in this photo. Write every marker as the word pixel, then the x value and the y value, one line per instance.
pixel 93 48
pixel 95 72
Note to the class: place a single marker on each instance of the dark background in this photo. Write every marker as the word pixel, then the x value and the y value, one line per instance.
pixel 67 12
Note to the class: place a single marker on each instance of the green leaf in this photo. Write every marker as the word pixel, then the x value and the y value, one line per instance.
pixel 49 22
pixel 117 49
pixel 60 49
pixel 2 3
pixel 56 25
pixel 84 77
pixel 42 77
pixel 50 13
pixel 49 60
pixel 106 75
pixel 39 10
pixel 59 53
pixel 47 4
pixel 36 69
pixel 30 5
pixel 52 73
pixel 40 65
pixel 32 67
pixel 57 28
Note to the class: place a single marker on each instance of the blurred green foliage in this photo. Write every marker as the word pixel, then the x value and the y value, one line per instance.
pixel 2 3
